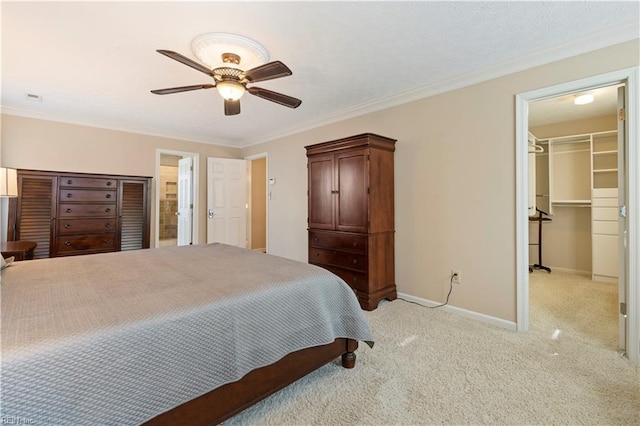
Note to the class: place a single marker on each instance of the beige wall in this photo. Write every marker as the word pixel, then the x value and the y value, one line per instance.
pixel 29 143
pixel 455 182
pixel 567 238
pixel 455 176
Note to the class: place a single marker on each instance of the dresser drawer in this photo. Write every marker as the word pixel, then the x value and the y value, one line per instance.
pixel 87 182
pixel 83 210
pixel 336 241
pixel 86 226
pixel 86 195
pixel 356 280
pixel 337 258
pixel 78 243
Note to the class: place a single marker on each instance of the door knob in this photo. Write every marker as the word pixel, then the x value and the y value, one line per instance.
pixel 211 214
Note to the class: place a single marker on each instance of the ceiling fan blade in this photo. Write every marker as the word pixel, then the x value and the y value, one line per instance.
pixel 231 107
pixel 276 97
pixel 267 71
pixel 180 58
pixel 182 89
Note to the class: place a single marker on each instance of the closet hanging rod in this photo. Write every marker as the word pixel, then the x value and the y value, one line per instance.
pixel 536 148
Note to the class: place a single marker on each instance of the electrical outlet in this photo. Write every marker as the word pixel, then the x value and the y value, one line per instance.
pixel 456 275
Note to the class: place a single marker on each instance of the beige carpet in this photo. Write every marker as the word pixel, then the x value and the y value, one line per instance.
pixel 432 367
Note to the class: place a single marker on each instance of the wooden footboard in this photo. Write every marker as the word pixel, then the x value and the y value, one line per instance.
pixel 228 400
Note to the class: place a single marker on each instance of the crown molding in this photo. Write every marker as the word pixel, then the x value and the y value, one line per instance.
pixel 142 130
pixel 592 42
pixel 595 41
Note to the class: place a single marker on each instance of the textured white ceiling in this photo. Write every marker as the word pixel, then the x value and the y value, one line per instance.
pixel 94 63
pixel 562 108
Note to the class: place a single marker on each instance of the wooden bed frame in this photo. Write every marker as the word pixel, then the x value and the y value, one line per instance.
pixel 226 401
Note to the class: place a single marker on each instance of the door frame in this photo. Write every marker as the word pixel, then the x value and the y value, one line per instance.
pixel 631 77
pixel 250 211
pixel 196 199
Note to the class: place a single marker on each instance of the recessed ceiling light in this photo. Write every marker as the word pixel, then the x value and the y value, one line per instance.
pixel 583 99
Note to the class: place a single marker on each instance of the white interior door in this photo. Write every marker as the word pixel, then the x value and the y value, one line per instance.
pixel 227 201
pixel 185 200
pixel 623 284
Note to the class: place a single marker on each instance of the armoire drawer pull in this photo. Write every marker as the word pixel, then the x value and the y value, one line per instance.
pixel 317 254
pixel 69 195
pixel 355 244
pixel 355 279
pixel 355 261
pixel 105 241
pixel 109 183
pixel 108 196
pixel 67 243
pixel 67 226
pixel 68 210
pixel 107 210
pixel 69 182
pixel 107 225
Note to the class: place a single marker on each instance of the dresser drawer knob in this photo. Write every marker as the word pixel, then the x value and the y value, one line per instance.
pixel 355 279
pixel 355 244
pixel 355 261
pixel 105 241
pixel 69 195
pixel 67 226
pixel 108 196
pixel 68 210
pixel 107 225
pixel 109 183
pixel 107 210
pixel 69 182
pixel 317 254
pixel 67 243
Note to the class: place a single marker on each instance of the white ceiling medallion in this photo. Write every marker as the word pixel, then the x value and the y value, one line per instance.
pixel 210 47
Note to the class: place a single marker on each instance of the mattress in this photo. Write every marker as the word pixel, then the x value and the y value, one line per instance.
pixel 119 338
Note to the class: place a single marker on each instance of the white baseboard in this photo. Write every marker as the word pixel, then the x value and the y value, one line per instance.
pixel 570 271
pixel 510 325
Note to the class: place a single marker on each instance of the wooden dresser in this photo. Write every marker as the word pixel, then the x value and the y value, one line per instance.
pixel 69 214
pixel 351 213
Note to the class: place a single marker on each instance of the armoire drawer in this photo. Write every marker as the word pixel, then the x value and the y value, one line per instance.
pixel 356 280
pixel 87 195
pixel 337 241
pixel 83 210
pixel 76 243
pixel 80 182
pixel 337 258
pixel 86 226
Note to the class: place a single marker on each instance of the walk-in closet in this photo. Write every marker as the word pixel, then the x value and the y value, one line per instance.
pixel 573 223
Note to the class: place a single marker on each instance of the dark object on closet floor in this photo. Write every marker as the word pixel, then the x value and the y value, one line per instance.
pixel 540 217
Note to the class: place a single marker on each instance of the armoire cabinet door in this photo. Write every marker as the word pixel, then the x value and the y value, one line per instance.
pixel 36 211
pixel 351 182
pixel 321 192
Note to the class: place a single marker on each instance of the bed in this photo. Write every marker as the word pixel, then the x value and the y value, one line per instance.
pixel 166 336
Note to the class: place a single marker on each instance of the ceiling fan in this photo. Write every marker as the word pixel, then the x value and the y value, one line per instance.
pixel 231 81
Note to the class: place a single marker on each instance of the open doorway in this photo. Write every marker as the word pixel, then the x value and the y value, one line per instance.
pixel 627 234
pixel 573 232
pixel 257 200
pixel 176 195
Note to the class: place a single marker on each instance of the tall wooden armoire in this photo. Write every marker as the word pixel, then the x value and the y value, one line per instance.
pixel 351 213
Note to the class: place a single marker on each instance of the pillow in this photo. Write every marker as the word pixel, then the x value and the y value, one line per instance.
pixel 5 262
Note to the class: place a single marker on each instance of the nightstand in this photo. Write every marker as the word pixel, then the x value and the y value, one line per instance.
pixel 21 250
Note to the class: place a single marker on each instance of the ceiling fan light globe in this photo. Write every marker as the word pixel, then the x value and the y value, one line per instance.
pixel 230 90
